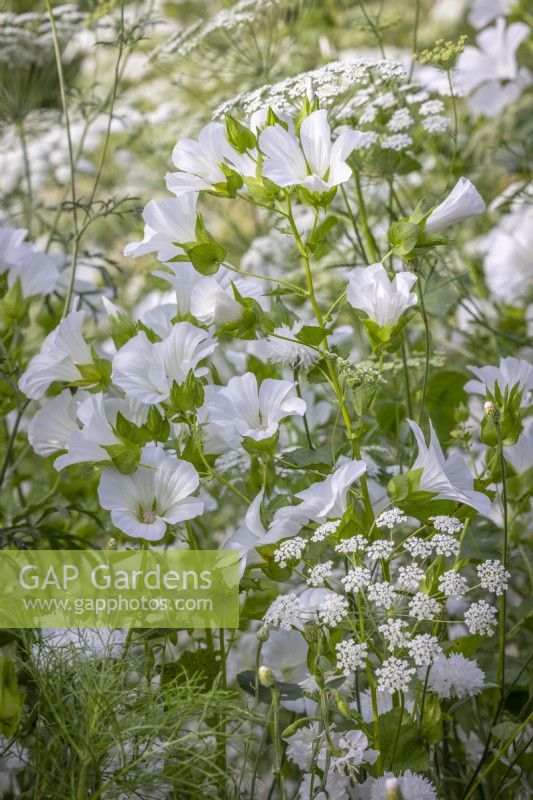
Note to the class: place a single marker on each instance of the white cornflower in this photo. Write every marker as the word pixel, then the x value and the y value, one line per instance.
pixel 463 202
pixel 382 594
pixel 493 576
pixel 389 519
pixel 394 675
pixel 455 676
pixel 445 545
pixel 289 550
pixel 311 160
pixel 451 584
pixel 398 141
pixel 355 544
pixel 333 609
pixel 284 612
pixel 410 785
pixel 417 547
pixel 282 347
pixel 448 477
pixel 356 579
pixel 446 524
pixel 394 633
pixel 481 618
pixel 319 574
pixel 157 494
pixel 423 607
pixel 381 548
pixel 423 649
pixel 437 124
pixel 409 577
pixel 351 656
pixel 431 107
pixel 383 300
pixel 400 120
pixel 325 530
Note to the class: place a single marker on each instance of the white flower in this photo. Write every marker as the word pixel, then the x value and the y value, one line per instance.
pixel 455 676
pixel 335 788
pixel 333 609
pixel 481 618
pixel 411 786
pixel 284 348
pixel 357 752
pixel 511 372
pixel 322 500
pixel 166 222
pixel 463 202
pixel 383 300
pixel 199 161
pixel 446 524
pixel 351 656
pixel 60 352
pixel 520 454
pixel 10 241
pixel 382 594
pixel 156 495
pixel 249 535
pixel 493 576
pixel 394 675
pixel 213 299
pixel 242 409
pixel 424 607
pixel 394 633
pixel 50 428
pixel 304 743
pixel 389 519
pixel 431 107
pixel 289 550
pixel 380 548
pixel 449 478
pixel 451 584
pixel 490 71
pixel 508 264
pixel 400 120
pixel 398 141
pixel 445 545
pixel 356 579
pixel 409 577
pixel 484 11
pixel 146 370
pixel 417 547
pixel 37 272
pixel 319 574
pixel 312 161
pixel 284 612
pixel 354 544
pixel 423 649
pixel 325 530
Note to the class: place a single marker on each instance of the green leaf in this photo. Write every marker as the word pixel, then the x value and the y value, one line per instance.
pixel 258 447
pixel 206 257
pixel 404 485
pixel 432 726
pixel 312 459
pixel 157 426
pixel 408 752
pixel 239 136
pixel 125 456
pixel 186 396
pixel 129 430
pixel 311 334
pixel 320 233
pixel 505 730
pixel 403 236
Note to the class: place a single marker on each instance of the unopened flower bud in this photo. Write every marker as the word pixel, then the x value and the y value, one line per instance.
pixel 266 677
pixel 491 411
pixel 392 789
pixel 111 543
pixel 262 634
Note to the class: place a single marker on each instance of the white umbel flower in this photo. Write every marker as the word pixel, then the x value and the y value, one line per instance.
pixel 493 576
pixel 394 675
pixel 449 478
pixel 146 370
pixel 409 577
pixel 312 160
pixel 445 524
pixel 60 352
pixel 422 606
pixel 289 550
pixel 384 300
pixel 356 579
pixel 156 495
pixel 242 409
pixel 451 584
pixel 463 202
pixel 382 594
pixel 351 656
pixel 390 518
pixel 319 574
pixel 394 631
pixel 481 618
pixel 423 649
pixel 166 222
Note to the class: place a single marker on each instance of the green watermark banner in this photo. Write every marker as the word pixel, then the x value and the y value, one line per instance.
pixel 119 589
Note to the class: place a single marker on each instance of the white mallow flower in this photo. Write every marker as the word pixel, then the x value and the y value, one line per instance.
pixel 454 676
pixel 10 241
pixel 242 409
pixel 146 370
pixel 97 416
pixel 484 11
pixel 50 428
pixel 37 272
pixel 508 262
pixel 250 535
pixel 156 495
pixel 384 300
pixel 182 276
pixel 60 352
pixel 449 478
pixel 312 160
pixel 510 372
pixel 463 202
pixel 490 71
pixel 166 222
pixel 213 299
pixel 322 500
pixel 199 161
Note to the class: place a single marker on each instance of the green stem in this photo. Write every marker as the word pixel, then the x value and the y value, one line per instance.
pixel 370 241
pixel 278 748
pixel 502 613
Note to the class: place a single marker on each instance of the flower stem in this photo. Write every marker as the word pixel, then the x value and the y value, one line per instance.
pixel 502 612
